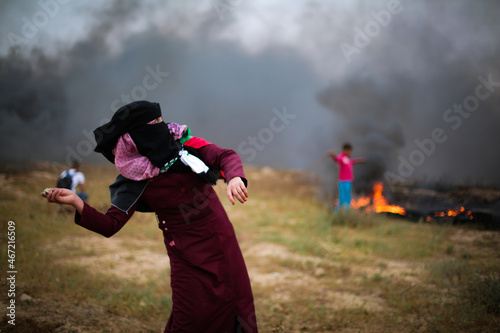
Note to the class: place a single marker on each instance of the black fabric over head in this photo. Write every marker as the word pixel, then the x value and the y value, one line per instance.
pixel 152 140
pixel 125 119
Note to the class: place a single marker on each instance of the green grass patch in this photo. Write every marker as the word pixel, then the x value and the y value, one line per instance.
pixel 334 271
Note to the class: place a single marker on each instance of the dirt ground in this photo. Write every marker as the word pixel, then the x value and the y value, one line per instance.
pixel 57 313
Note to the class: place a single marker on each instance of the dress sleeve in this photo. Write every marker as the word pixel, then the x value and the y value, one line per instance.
pixel 226 160
pixel 105 224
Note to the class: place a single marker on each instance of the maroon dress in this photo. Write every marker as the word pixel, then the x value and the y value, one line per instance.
pixel 211 289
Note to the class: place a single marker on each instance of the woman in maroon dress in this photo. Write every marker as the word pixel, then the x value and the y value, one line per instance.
pixel 211 289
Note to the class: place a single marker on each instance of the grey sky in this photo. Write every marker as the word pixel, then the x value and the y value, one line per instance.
pixel 381 74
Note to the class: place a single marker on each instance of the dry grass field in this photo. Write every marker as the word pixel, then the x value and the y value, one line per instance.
pixel 312 270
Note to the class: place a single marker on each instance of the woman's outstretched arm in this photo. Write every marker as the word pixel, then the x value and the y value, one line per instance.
pixel 86 216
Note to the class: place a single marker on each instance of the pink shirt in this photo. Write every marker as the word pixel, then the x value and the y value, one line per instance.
pixel 345 167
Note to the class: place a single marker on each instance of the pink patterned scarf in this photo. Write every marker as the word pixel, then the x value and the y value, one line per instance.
pixel 135 166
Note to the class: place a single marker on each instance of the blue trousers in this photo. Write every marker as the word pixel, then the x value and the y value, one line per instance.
pixel 83 196
pixel 344 195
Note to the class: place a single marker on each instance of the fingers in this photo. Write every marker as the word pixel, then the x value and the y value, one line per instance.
pixel 64 197
pixel 231 194
pixel 54 195
pixel 244 191
pixel 239 193
pixel 230 197
pixel 47 192
pixel 236 190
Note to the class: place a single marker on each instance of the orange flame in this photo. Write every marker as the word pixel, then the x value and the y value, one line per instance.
pixel 454 212
pixel 378 203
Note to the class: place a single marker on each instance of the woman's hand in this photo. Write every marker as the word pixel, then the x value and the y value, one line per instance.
pixel 65 197
pixel 236 189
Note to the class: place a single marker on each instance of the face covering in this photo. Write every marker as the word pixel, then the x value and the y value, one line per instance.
pixel 156 143
pixel 125 119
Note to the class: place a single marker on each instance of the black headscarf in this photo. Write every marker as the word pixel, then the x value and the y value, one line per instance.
pixel 153 141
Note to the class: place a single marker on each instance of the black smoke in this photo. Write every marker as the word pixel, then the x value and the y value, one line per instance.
pixel 226 85
pixel 432 55
pixel 33 106
pixel 373 118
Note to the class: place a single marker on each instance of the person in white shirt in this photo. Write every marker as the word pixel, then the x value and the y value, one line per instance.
pixel 78 180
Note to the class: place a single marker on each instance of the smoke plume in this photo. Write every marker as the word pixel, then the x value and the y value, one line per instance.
pixel 225 71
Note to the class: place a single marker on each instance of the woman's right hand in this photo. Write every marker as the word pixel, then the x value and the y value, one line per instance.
pixel 65 197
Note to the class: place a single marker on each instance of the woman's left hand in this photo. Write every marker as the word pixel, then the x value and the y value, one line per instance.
pixel 236 189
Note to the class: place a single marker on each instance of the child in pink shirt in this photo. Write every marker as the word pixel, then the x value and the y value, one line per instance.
pixel 346 175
